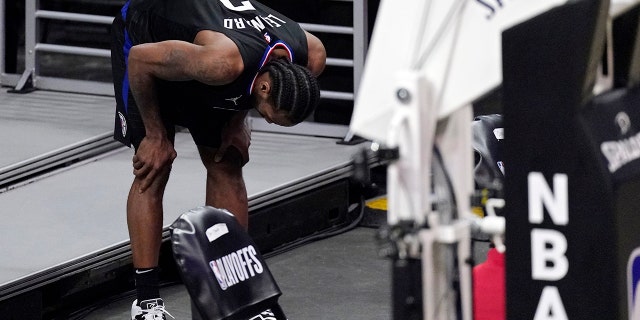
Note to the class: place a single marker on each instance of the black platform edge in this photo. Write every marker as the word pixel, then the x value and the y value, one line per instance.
pixel 65 291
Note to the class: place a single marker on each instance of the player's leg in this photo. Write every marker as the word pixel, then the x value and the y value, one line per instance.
pixel 144 211
pixel 225 183
pixel 145 220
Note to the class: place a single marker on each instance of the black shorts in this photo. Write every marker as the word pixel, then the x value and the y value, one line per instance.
pixel 205 124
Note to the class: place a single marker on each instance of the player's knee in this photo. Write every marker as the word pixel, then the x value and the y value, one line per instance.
pixel 233 157
pixel 231 160
pixel 228 167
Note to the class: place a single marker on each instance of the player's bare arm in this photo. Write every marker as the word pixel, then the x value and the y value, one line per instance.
pixel 213 59
pixel 317 54
pixel 155 152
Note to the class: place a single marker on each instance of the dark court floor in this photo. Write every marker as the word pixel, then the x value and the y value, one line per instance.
pixel 340 277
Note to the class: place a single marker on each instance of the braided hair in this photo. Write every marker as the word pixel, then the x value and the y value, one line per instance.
pixel 294 88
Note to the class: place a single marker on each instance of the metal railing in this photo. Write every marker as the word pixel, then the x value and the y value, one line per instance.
pixel 31 77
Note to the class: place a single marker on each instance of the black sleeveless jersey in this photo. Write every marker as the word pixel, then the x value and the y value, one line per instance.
pixel 255 28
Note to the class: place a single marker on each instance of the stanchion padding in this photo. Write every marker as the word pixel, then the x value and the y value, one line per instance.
pixel 487 136
pixel 220 265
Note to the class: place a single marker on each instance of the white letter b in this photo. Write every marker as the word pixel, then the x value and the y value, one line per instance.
pixel 548 263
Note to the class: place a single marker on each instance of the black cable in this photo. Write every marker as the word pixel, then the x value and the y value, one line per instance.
pixel 318 236
pixel 439 161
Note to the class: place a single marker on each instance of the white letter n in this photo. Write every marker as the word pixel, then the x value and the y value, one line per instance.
pixel 540 193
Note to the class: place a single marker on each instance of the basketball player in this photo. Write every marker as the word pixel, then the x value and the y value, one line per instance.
pixel 201 64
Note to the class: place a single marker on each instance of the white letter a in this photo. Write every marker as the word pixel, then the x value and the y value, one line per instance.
pixel 550 306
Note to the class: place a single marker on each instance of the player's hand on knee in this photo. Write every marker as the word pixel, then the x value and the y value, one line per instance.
pixel 152 157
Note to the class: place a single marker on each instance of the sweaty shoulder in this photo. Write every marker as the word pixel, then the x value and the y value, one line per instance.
pixel 222 53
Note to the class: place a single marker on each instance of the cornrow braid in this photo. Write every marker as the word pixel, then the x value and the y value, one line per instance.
pixel 294 88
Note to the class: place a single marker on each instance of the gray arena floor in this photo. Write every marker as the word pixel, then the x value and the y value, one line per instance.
pixel 74 214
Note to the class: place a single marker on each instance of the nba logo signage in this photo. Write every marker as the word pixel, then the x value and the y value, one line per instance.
pixel 633 284
pixel 549 262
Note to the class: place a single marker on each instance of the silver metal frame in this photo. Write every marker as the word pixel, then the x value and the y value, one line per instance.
pixel 33 14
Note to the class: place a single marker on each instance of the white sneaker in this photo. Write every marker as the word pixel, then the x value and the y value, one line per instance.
pixel 265 315
pixel 149 310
